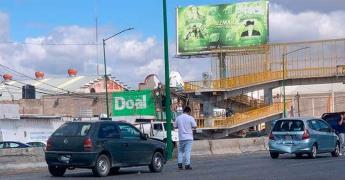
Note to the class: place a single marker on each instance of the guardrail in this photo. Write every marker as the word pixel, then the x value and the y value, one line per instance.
pixel 258 78
pixel 239 118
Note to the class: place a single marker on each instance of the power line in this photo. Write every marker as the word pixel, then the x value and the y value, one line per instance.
pixel 50 44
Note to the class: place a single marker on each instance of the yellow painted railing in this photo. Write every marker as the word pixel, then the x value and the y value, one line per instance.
pixel 257 78
pixel 239 118
pixel 200 122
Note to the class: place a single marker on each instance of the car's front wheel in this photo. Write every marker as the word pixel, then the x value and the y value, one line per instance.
pixel 56 171
pixel 157 162
pixel 102 167
pixel 274 155
pixel 336 151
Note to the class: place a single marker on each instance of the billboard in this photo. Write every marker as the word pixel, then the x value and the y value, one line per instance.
pixel 200 29
pixel 133 103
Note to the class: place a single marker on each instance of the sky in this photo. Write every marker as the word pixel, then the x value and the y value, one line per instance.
pixel 134 54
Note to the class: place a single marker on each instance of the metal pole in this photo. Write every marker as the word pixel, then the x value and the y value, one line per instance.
pixel 105 69
pixel 167 83
pixel 283 84
pixel 105 80
pixel 284 81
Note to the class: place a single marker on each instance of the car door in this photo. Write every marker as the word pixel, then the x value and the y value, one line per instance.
pixel 138 149
pixel 108 138
pixel 327 135
pixel 317 134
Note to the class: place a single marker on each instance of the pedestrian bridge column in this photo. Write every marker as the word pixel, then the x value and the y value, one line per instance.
pixel 268 99
pixel 208 107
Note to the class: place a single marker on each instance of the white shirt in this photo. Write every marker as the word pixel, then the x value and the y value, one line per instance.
pixel 185 124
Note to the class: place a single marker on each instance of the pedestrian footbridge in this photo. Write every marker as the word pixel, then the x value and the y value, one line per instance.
pixel 235 73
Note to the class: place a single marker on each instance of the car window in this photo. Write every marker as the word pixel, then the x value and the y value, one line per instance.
pixel 13 145
pixel 2 145
pixel 108 131
pixel 73 129
pixel 158 127
pixel 323 126
pixel 129 132
pixel 288 126
pixel 314 125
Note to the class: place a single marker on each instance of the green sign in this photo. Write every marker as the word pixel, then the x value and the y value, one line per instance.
pixel 133 103
pixel 201 29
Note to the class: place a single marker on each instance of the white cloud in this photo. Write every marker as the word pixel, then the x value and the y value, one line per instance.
pixel 4 30
pixel 309 25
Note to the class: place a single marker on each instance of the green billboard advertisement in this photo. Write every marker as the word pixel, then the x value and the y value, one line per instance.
pixel 133 103
pixel 201 29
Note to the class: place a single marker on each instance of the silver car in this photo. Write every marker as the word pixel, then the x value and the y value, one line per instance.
pixel 303 135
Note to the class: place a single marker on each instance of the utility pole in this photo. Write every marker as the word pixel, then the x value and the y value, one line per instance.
pixel 167 83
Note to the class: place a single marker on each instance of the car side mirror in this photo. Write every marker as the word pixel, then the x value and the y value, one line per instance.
pixel 144 136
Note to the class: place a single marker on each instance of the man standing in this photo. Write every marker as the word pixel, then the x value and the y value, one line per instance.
pixel 341 131
pixel 185 124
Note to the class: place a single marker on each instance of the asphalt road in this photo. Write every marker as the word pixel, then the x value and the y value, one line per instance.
pixel 244 166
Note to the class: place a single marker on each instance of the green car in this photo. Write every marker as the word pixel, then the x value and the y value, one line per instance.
pixel 103 146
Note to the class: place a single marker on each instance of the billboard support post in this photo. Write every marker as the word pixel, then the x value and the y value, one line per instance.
pixel 167 83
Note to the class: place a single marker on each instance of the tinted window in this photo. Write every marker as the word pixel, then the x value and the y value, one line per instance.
pixel 158 127
pixel 288 126
pixel 314 125
pixel 73 129
pixel 129 132
pixel 108 131
pixel 323 126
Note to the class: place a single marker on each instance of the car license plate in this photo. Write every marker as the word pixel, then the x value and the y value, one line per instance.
pixel 65 158
pixel 288 138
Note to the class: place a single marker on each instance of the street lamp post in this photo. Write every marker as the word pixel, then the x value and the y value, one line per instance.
pixel 284 55
pixel 105 68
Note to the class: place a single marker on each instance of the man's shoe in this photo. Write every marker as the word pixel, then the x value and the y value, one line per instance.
pixel 180 167
pixel 188 167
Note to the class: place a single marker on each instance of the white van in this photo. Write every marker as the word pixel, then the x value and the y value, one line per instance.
pixel 157 130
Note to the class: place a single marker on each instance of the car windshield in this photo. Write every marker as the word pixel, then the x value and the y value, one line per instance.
pixel 73 129
pixel 288 126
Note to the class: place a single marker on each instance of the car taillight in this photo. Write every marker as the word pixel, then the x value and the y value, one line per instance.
pixel 271 137
pixel 305 135
pixel 88 144
pixel 49 144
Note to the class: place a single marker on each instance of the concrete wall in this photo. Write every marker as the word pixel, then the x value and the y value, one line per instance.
pixel 25 130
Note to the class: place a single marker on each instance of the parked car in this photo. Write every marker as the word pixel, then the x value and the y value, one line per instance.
pixel 37 144
pixel 300 136
pixel 12 144
pixel 103 146
pixel 157 130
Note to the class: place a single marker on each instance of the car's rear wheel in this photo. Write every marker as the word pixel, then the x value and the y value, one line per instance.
pixel 313 152
pixel 299 155
pixel 157 162
pixel 102 167
pixel 336 151
pixel 274 155
pixel 56 171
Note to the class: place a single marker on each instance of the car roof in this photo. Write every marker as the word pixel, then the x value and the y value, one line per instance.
pixel 304 118
pixel 99 122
